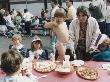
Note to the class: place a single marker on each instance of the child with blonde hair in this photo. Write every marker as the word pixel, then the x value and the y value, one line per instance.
pixel 103 52
pixel 59 27
pixel 17 44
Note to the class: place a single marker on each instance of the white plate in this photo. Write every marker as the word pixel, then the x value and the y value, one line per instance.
pixel 64 70
pixel 44 66
pixel 106 66
pixel 78 62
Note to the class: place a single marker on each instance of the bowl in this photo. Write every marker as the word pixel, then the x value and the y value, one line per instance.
pixel 64 70
pixel 77 62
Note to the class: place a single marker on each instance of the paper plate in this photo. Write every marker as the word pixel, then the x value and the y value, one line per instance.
pixel 77 62
pixel 64 70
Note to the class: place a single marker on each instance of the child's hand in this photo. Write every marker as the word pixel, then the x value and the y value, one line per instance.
pixel 51 24
pixel 25 72
pixel 55 24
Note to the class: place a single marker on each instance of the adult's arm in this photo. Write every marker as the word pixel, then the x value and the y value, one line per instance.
pixel 96 32
pixel 72 30
pixel 51 25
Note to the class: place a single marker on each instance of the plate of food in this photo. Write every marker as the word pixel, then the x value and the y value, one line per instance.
pixel 88 73
pixel 64 69
pixel 77 62
pixel 44 66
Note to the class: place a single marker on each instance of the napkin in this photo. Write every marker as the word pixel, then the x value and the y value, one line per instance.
pixel 106 66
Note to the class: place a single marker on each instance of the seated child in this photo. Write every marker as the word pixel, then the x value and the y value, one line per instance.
pixel 103 52
pixel 60 28
pixel 16 44
pixel 36 49
pixel 10 64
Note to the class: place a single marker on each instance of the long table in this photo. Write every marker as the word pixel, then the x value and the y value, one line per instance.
pixel 104 75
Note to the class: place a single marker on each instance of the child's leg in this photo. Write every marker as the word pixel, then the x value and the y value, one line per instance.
pixel 61 51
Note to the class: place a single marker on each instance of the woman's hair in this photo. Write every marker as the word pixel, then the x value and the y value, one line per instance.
pixel 84 10
pixel 17 36
pixel 10 61
pixel 34 42
pixel 60 13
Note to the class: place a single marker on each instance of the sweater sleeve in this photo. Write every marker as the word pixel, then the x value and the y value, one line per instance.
pixel 96 32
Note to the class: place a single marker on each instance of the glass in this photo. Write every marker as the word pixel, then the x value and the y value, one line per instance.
pixel 66 63
pixel 67 57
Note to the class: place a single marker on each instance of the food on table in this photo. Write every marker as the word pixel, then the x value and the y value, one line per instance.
pixel 77 62
pixel 87 73
pixel 64 69
pixel 44 66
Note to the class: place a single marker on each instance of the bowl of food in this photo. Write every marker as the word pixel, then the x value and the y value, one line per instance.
pixel 64 69
pixel 44 66
pixel 77 62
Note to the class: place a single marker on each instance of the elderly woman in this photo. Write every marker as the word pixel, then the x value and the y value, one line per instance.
pixel 83 32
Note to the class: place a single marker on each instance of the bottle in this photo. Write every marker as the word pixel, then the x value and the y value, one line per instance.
pixel 66 63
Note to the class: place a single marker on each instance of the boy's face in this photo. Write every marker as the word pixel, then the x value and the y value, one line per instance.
pixel 59 19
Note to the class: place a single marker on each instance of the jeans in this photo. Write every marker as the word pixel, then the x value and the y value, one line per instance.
pixel 53 42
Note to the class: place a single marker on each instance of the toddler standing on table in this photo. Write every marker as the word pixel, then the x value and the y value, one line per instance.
pixel 60 28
